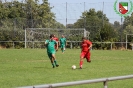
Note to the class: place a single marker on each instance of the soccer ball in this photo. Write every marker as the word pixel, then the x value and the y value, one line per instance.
pixel 73 66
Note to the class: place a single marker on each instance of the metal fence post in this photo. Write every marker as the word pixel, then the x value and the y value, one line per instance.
pixel 105 84
pixel 25 38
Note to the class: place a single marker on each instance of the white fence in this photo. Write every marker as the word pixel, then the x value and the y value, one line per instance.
pixel 104 80
pixel 71 44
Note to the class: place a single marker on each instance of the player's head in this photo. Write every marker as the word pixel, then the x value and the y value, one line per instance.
pixel 83 38
pixel 51 36
pixel 54 36
pixel 63 36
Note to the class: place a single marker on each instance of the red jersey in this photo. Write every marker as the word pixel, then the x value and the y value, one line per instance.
pixel 85 45
pixel 55 38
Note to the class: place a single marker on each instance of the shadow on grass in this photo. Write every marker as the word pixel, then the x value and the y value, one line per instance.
pixel 78 68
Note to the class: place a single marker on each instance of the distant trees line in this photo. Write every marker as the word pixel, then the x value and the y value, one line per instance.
pixel 15 16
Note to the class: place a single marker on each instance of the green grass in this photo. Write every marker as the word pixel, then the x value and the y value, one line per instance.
pixel 28 67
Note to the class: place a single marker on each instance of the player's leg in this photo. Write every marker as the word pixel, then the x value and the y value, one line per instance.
pixel 51 59
pixel 52 62
pixel 62 48
pixel 88 56
pixel 54 59
pixel 82 55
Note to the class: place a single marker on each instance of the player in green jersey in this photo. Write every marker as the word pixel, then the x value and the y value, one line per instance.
pixel 50 44
pixel 62 43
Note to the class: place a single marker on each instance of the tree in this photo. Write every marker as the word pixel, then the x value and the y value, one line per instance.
pixel 93 22
pixel 128 26
pixel 117 24
pixel 107 33
pixel 69 26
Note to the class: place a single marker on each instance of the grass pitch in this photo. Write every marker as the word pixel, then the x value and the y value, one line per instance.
pixel 28 67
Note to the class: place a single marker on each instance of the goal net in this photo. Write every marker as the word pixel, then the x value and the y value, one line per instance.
pixel 35 37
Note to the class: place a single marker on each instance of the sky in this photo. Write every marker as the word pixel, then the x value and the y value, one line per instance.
pixel 73 9
pixel 76 7
pixel 79 1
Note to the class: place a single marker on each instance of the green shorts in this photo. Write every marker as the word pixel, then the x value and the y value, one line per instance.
pixel 50 54
pixel 62 46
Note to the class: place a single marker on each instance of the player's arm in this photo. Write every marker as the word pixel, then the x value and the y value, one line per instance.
pixel 59 42
pixel 90 45
pixel 46 42
pixel 56 46
pixel 65 43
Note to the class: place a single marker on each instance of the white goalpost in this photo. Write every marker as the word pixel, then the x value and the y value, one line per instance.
pixel 35 37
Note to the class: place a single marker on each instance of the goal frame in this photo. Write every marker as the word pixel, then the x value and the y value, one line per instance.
pixel 83 33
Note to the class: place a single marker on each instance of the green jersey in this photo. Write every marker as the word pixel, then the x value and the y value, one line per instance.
pixel 62 41
pixel 50 45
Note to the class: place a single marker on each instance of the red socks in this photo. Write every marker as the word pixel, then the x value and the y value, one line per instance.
pixel 81 63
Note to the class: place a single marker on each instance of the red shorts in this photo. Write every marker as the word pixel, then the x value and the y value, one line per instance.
pixel 85 54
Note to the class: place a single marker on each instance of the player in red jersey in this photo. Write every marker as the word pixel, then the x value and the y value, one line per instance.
pixel 85 51
pixel 56 39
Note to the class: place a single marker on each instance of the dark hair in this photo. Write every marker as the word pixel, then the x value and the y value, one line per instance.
pixel 83 37
pixel 51 35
